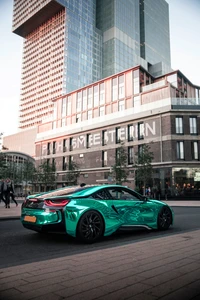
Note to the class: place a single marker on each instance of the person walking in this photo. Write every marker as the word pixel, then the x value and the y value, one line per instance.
pixel 1 191
pixel 6 194
pixel 11 191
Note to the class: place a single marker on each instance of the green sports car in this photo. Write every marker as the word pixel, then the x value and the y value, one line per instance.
pixel 93 211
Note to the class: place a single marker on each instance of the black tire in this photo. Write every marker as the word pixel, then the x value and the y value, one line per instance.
pixel 164 218
pixel 90 227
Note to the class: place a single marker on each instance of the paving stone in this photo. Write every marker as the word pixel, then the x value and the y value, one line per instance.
pixel 10 294
pixel 182 294
pixel 157 268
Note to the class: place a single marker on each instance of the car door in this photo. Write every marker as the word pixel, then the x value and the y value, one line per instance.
pixel 132 208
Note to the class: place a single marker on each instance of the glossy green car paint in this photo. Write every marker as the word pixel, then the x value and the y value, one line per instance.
pixel 116 213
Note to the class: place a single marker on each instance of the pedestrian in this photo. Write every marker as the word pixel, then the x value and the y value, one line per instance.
pixel 6 194
pixel 11 191
pixel 1 191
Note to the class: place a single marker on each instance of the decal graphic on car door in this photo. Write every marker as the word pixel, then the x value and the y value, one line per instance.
pixel 131 208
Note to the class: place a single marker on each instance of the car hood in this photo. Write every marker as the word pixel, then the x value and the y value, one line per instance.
pixel 157 202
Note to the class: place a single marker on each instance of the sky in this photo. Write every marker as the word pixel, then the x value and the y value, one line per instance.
pixel 185 54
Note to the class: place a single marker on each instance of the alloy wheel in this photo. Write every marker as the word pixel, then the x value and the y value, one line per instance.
pixel 164 218
pixel 90 226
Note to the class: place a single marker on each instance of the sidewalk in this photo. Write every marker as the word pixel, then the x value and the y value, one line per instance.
pixel 14 212
pixel 166 268
pixel 10 213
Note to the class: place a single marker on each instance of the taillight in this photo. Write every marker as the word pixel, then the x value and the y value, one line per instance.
pixel 56 202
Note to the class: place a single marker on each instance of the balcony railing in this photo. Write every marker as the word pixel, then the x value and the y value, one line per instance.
pixel 185 101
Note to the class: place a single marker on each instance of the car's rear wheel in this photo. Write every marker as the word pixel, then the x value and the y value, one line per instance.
pixel 90 227
pixel 164 218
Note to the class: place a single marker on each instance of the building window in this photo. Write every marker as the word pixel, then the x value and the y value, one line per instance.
pixel 88 138
pixel 180 150
pixel 70 162
pixel 63 122
pixel 79 102
pixel 104 159
pixel 193 125
pixel 117 135
pixel 64 107
pixel 136 101
pixel 136 82
pixel 114 89
pixel 89 114
pixel 140 150
pixel 84 99
pixel 64 164
pixel 130 155
pixel 55 111
pixel 48 162
pixel 71 144
pixel 54 124
pixel 102 93
pixel 96 96
pixel 121 105
pixel 117 155
pixel 54 163
pixel 78 118
pixel 69 106
pixel 101 111
pixel 140 131
pixel 179 125
pixel 130 133
pixel 64 145
pixel 90 98
pixel 54 147
pixel 104 137
pixel 48 148
pixel 121 87
pixel 195 150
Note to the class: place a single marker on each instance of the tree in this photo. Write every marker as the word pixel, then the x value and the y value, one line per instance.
pixel 27 171
pixel 73 173
pixel 143 167
pixel 119 169
pixel 11 171
pixel 46 174
pixel 2 165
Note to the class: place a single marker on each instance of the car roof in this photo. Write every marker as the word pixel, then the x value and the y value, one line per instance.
pixel 74 191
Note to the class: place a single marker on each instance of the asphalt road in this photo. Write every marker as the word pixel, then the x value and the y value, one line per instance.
pixel 19 245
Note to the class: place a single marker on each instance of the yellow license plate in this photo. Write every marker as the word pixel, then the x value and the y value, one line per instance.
pixel 30 219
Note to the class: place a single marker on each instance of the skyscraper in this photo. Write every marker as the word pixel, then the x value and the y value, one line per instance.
pixel 69 44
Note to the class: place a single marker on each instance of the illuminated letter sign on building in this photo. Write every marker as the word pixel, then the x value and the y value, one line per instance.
pixel 150 129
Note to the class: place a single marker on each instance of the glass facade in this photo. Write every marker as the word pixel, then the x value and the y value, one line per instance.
pixel 154 31
pixel 119 22
pixel 75 43
pixel 83 45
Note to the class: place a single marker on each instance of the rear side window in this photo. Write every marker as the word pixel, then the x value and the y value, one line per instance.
pixel 123 194
pixel 102 195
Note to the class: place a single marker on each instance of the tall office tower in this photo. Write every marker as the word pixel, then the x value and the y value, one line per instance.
pixel 71 43
pixel 154 36
pixel 62 52
pixel 119 22
pixel 134 32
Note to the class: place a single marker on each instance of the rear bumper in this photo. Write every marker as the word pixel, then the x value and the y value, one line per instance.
pixel 58 228
pixel 45 221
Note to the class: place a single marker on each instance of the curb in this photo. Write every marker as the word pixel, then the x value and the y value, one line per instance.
pixel 9 218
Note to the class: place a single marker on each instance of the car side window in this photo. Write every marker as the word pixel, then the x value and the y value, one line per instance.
pixel 102 195
pixel 123 194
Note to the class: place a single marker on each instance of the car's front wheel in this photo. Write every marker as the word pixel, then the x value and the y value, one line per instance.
pixel 90 227
pixel 164 218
